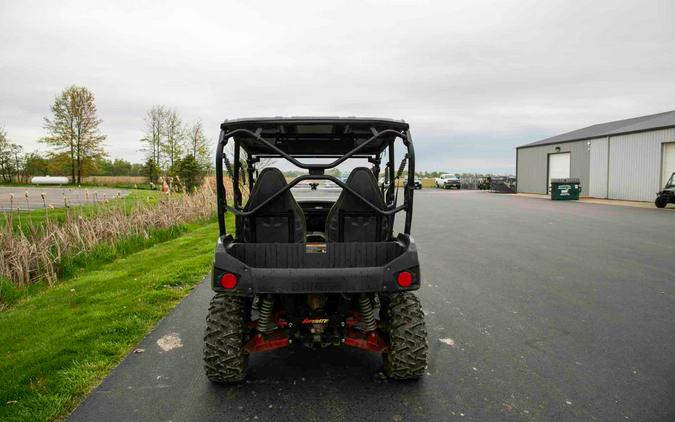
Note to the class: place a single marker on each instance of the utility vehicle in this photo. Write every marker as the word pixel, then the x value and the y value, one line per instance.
pixel 667 195
pixel 448 181
pixel 321 273
pixel 417 183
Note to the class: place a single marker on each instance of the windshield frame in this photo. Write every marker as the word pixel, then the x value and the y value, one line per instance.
pixel 670 184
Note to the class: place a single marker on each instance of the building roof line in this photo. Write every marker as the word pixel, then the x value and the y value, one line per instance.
pixel 532 145
pixel 618 127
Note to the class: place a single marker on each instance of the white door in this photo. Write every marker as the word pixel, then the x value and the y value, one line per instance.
pixel 558 167
pixel 668 162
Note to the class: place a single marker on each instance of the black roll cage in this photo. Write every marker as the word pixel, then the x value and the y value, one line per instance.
pixel 316 171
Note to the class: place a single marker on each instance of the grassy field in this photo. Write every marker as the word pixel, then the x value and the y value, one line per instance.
pixel 35 250
pixel 71 266
pixel 428 182
pixel 58 344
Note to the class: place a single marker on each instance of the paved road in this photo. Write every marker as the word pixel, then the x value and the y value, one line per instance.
pixel 54 196
pixel 537 310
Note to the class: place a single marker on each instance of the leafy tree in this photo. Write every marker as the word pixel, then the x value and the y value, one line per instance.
pixel 59 164
pixel 35 165
pixel 103 167
pixel 151 170
pixel 74 129
pixel 136 169
pixel 9 157
pixel 117 167
pixel 190 172
pixel 120 168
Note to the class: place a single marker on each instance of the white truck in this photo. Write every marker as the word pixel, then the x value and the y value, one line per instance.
pixel 448 181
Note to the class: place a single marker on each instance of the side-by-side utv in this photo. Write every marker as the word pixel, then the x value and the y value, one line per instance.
pixel 315 272
pixel 667 195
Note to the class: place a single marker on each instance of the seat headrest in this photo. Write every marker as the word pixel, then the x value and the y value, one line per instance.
pixel 352 220
pixel 280 220
pixel 363 181
pixel 270 181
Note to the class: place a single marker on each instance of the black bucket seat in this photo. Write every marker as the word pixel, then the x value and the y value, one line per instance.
pixel 350 219
pixel 279 221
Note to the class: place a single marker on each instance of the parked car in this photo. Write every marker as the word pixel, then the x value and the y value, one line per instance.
pixel 417 183
pixel 448 181
pixel 667 195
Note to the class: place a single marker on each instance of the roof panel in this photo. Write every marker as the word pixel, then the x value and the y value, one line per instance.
pixel 314 135
pixel 635 124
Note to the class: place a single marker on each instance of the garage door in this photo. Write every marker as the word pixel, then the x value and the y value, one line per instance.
pixel 668 162
pixel 558 167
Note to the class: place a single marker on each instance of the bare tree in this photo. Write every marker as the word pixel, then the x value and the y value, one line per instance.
pixel 198 146
pixel 174 136
pixel 74 128
pixel 154 120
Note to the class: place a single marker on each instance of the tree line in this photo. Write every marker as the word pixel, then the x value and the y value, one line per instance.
pixel 173 147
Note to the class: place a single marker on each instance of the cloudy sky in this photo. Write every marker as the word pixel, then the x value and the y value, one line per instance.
pixel 474 78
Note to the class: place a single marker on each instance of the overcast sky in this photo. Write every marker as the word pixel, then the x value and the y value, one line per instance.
pixel 474 78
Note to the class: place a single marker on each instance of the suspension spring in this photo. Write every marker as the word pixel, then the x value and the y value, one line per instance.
pixel 367 313
pixel 264 325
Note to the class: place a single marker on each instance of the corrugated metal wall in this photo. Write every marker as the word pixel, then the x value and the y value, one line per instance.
pixel 597 184
pixel 635 164
pixel 531 171
pixel 533 165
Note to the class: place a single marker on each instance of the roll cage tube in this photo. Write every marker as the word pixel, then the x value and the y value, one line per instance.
pixel 392 209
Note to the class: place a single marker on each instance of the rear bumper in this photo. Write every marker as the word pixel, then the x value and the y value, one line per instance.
pixel 332 273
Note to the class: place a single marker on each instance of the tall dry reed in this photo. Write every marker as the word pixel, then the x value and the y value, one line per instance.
pixel 36 253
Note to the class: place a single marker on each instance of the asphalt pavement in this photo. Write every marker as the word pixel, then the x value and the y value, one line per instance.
pixel 31 198
pixel 536 310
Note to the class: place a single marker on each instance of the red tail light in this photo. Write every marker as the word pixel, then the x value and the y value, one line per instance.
pixel 228 281
pixel 404 278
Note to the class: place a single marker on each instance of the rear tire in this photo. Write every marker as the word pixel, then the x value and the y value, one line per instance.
pixel 661 202
pixel 225 359
pixel 407 356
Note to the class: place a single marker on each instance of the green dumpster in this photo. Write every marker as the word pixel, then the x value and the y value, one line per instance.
pixel 565 189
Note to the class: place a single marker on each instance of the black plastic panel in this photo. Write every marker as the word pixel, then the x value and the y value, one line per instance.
pixel 338 255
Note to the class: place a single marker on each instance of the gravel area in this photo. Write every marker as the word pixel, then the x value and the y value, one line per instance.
pixel 56 196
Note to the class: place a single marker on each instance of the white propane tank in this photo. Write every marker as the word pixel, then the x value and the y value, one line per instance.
pixel 48 180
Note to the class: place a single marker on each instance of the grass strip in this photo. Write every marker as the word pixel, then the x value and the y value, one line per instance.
pixel 71 266
pixel 58 344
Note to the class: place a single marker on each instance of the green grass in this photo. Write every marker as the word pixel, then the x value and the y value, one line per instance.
pixel 35 218
pixel 73 265
pixel 56 345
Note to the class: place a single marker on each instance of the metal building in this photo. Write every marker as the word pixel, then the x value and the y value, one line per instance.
pixel 627 159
